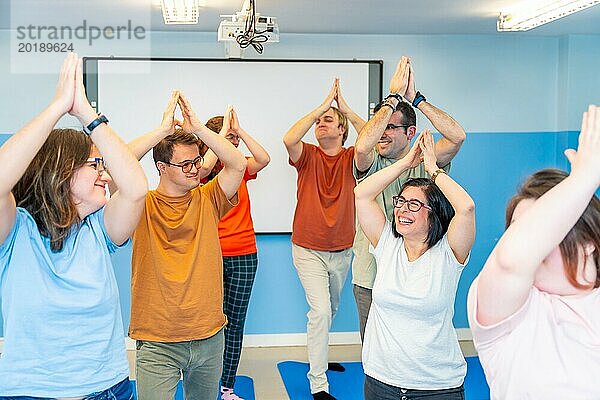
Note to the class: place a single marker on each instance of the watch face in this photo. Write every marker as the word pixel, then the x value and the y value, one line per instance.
pixel 88 130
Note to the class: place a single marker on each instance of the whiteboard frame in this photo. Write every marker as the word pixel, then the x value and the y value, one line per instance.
pixel 375 79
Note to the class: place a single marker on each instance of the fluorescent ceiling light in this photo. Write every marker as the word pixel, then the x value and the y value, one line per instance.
pixel 540 14
pixel 180 11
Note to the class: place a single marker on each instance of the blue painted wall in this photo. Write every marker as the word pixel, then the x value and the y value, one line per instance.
pixel 490 166
pixel 519 97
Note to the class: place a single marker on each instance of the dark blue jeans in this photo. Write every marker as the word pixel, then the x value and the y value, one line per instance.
pixel 120 391
pixel 376 390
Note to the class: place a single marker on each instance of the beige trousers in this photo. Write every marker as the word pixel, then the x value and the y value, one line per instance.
pixel 322 274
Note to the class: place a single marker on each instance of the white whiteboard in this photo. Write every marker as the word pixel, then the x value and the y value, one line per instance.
pixel 269 97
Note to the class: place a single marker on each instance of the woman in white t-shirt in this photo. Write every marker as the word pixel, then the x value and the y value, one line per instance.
pixel 410 348
pixel 534 309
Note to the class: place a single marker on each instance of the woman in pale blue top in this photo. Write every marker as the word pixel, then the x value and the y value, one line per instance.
pixel 63 332
pixel 410 349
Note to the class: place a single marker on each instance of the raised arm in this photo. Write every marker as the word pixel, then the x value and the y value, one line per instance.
pixel 27 141
pixel 370 134
pixel 143 144
pixel 293 138
pixel 123 210
pixel 461 231
pixel 453 135
pixel 210 158
pixel 370 215
pixel 508 274
pixel 260 158
pixel 234 162
pixel 357 122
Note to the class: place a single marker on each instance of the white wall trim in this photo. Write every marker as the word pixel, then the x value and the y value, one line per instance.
pixel 295 339
pixel 464 334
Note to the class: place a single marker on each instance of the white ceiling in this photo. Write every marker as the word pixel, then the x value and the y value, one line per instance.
pixel 312 16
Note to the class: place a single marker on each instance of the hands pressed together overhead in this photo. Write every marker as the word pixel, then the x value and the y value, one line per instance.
pixel 422 151
pixel 231 123
pixel 402 81
pixel 335 96
pixel 70 94
pixel 190 122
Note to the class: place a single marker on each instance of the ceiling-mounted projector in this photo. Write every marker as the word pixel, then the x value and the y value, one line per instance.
pixel 231 27
pixel 248 28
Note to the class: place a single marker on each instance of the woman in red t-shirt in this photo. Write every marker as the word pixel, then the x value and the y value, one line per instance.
pixel 238 245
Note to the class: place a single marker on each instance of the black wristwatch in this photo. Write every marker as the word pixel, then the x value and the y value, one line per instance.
pixel 88 129
pixel 397 96
pixel 418 98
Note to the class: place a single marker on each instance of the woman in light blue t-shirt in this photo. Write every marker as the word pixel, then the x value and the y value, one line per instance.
pixel 63 332
pixel 410 348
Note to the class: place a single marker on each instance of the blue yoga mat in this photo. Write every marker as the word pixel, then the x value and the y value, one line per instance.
pixel 476 387
pixel 244 387
pixel 348 385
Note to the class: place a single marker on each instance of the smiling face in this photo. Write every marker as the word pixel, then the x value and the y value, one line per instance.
pixel 174 175
pixel 395 142
pixel 88 186
pixel 410 224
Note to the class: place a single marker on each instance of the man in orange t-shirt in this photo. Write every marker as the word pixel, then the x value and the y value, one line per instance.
pixel 238 245
pixel 323 228
pixel 177 314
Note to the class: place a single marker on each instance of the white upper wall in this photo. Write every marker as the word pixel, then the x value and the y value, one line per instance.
pixel 489 83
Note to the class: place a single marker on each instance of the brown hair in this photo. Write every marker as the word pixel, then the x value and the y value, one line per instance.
pixel 586 229
pixel 409 117
pixel 44 190
pixel 163 151
pixel 215 124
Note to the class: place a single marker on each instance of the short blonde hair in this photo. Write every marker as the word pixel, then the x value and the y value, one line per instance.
pixel 343 122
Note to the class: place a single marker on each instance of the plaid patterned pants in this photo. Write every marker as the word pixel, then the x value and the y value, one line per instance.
pixel 238 277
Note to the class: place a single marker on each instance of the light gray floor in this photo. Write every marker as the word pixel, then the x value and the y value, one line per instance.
pixel 260 363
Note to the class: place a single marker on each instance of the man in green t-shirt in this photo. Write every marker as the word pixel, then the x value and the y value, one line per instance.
pixel 384 140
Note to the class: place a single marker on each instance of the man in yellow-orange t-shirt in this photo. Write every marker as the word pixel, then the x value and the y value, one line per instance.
pixel 323 229
pixel 177 314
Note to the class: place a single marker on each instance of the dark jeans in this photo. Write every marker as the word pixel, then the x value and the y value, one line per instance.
pixel 376 390
pixel 120 391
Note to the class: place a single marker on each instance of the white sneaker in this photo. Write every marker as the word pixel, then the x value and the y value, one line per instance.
pixel 227 394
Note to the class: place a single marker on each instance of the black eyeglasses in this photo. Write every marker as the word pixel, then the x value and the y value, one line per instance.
pixel 97 163
pixel 186 166
pixel 392 126
pixel 413 205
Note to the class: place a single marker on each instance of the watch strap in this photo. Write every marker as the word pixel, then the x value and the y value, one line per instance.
pixel 92 125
